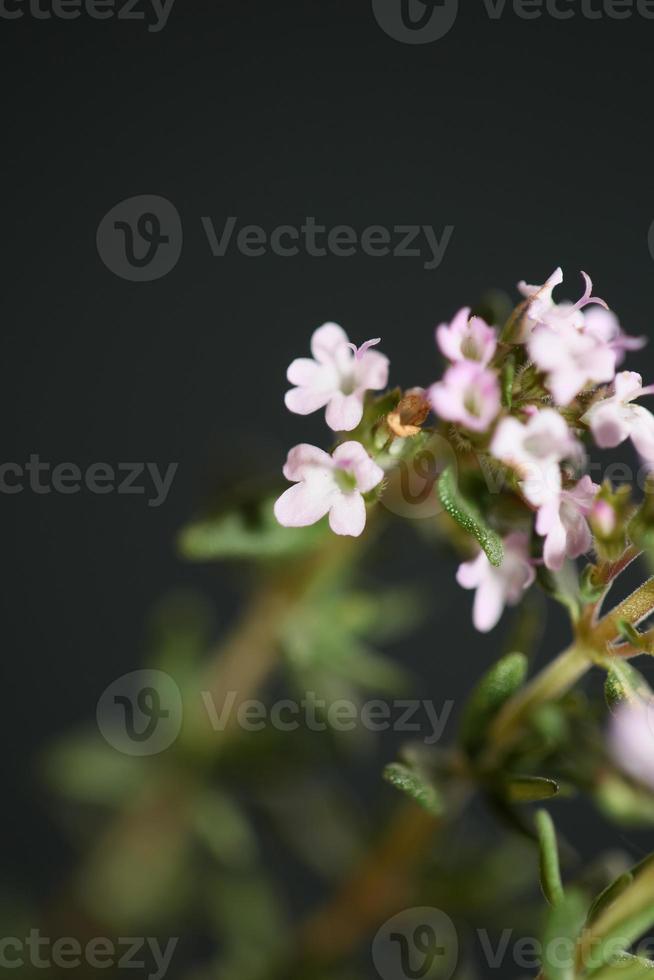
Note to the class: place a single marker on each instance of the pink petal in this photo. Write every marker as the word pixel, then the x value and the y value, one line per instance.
pixel 327 341
pixel 304 503
pixel 303 460
pixel 579 538
pixel 448 336
pixel 607 425
pixel 371 371
pixel 303 371
pixel 555 545
pixel 348 514
pixel 344 411
pixel 304 401
pixel 642 433
pixel 353 457
pixel 489 603
pixel 470 573
pixel 627 385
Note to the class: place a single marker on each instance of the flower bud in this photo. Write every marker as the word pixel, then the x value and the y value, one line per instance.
pixel 608 520
pixel 411 412
pixel 603 519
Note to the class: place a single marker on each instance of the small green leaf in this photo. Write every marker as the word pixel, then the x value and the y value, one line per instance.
pixel 221 824
pixel 624 683
pixel 609 895
pixel 414 785
pixel 468 517
pixel 550 874
pixel 530 789
pixel 496 686
pixel 626 967
pixel 242 534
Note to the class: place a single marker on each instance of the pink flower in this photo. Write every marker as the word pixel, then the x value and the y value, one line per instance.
pixel 328 484
pixel 560 343
pixel 467 338
pixel 570 358
pixel 534 450
pixel 631 740
pixel 468 394
pixel 541 307
pixel 497 587
pixel 605 327
pixel 563 523
pixel 615 419
pixel 338 377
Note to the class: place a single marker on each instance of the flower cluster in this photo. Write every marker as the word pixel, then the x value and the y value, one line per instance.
pixel 519 397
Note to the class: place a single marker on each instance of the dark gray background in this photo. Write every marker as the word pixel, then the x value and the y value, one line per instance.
pixel 530 137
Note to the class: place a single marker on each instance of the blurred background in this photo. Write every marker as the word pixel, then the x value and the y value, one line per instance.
pixel 527 139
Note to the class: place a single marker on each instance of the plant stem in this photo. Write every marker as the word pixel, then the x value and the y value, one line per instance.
pixel 552 682
pixel 378 888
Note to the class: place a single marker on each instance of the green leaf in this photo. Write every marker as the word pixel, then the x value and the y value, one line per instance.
pixel 244 533
pixel 624 683
pixel 624 802
pixel 530 789
pixel 223 827
pixel 562 928
pixel 550 874
pixel 468 517
pixel 88 770
pixel 414 785
pixel 620 923
pixel 609 895
pixel 495 688
pixel 626 967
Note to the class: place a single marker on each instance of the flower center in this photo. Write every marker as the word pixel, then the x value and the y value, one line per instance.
pixel 470 349
pixel 345 481
pixel 472 402
pixel 348 384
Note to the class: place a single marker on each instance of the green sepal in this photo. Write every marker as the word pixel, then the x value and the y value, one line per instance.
pixel 508 377
pixel 550 873
pixel 497 685
pixel 468 517
pixel 415 785
pixel 589 589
